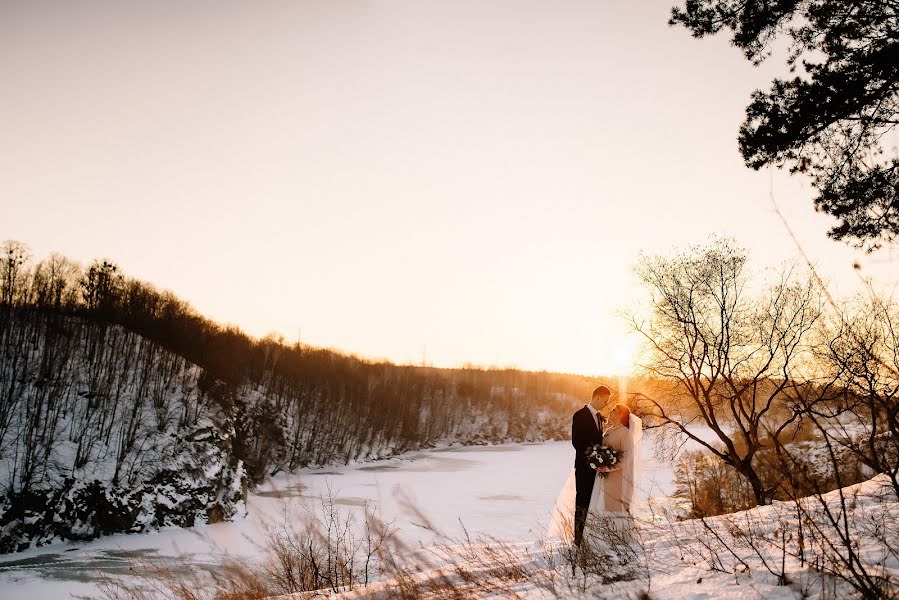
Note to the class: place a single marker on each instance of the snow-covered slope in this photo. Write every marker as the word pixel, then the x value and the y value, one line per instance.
pixel 103 431
pixel 771 552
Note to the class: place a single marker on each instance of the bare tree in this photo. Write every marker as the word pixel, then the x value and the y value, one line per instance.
pixel 14 259
pixel 724 357
pixel 55 283
pixel 861 353
pixel 101 286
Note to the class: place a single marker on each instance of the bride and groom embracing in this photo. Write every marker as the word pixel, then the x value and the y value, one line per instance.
pixel 594 491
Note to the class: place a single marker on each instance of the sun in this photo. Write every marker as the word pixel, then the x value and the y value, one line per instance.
pixel 621 358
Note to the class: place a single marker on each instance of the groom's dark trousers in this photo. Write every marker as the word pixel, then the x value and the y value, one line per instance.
pixel 585 432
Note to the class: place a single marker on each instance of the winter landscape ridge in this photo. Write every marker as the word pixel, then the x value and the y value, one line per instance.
pixel 107 431
pixel 675 221
pixel 123 456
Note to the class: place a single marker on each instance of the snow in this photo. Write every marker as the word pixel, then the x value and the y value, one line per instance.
pixel 505 491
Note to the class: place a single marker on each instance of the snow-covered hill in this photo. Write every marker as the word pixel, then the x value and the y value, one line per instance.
pixel 772 552
pixel 103 431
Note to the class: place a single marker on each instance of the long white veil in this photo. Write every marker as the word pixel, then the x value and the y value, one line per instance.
pixel 631 464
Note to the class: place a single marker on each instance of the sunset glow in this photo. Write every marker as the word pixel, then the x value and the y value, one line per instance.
pixel 449 183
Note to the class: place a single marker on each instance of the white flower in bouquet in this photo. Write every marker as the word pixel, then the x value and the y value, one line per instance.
pixel 602 458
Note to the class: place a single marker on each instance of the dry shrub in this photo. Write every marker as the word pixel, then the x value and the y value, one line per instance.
pixel 793 469
pixel 711 487
pixel 326 550
pixel 612 550
pixel 329 554
pixel 233 580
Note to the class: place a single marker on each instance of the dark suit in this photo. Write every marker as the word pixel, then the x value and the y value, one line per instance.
pixel 584 433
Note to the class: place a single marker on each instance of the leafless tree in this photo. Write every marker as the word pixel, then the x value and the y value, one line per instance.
pixel 860 351
pixel 723 356
pixel 14 259
pixel 55 283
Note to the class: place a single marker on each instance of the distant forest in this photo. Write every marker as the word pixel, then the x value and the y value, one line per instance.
pixel 122 408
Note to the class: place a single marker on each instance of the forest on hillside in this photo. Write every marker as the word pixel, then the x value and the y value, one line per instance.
pixel 123 409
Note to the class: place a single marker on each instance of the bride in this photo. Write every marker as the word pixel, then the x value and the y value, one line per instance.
pixel 613 491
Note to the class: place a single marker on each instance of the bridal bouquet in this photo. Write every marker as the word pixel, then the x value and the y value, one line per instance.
pixel 602 458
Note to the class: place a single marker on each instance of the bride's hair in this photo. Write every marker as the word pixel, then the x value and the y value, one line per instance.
pixel 622 408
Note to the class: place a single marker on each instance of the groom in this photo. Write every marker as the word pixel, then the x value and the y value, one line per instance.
pixel 586 430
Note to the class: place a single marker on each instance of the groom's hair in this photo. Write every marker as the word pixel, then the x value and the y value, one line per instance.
pixel 601 391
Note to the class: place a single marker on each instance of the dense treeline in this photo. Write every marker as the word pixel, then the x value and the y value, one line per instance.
pixel 105 379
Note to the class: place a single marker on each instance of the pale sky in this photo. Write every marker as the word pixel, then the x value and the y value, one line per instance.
pixel 467 179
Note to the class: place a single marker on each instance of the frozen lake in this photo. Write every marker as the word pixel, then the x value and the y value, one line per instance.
pixel 506 491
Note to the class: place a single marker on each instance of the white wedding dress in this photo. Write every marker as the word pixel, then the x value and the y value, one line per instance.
pixel 612 495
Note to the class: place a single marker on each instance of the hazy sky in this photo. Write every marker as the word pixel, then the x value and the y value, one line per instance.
pixel 473 179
